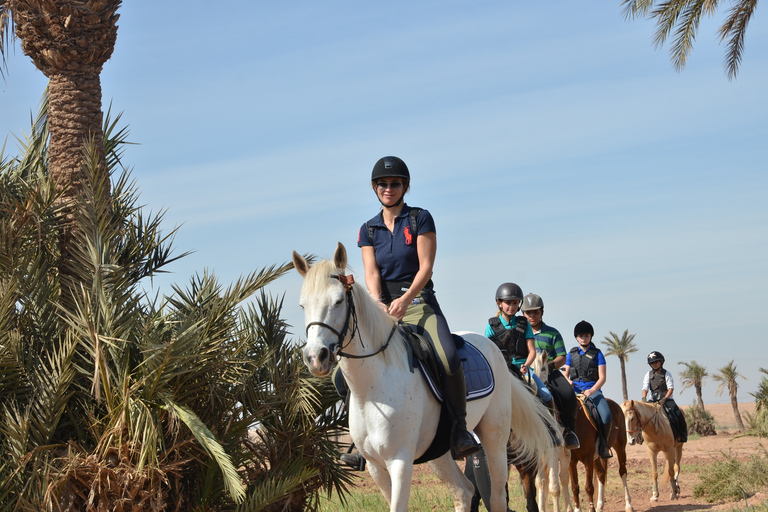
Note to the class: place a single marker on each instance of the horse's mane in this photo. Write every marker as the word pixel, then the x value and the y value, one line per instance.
pixel 374 323
pixel 648 412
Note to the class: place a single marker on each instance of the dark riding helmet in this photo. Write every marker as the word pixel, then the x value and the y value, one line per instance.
pixel 390 167
pixel 583 327
pixel 509 291
pixel 655 356
pixel 532 302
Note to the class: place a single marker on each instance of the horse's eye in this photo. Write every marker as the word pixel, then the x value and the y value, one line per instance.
pixel 338 302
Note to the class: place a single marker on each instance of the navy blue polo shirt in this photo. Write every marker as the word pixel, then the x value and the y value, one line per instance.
pixel 395 252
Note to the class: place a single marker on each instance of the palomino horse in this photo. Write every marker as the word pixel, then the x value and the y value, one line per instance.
pixel 552 476
pixel 587 455
pixel 393 415
pixel 649 421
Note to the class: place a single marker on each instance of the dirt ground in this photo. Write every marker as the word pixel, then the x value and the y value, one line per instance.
pixel 696 451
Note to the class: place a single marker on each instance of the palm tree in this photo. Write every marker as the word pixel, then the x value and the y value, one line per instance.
pixel 129 398
pixel 621 347
pixel 693 376
pixel 727 376
pixel 761 395
pixel 69 41
pixel 684 16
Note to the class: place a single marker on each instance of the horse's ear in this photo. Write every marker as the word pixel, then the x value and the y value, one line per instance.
pixel 300 264
pixel 340 257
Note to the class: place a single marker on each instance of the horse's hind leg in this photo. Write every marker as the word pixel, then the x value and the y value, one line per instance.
pixel 673 471
pixel 458 485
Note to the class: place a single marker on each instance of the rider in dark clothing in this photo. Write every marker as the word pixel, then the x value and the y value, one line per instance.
pixel 658 386
pixel 548 338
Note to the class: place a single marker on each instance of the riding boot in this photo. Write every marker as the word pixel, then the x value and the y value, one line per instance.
pixel 602 441
pixel 463 443
pixel 683 425
pixel 556 439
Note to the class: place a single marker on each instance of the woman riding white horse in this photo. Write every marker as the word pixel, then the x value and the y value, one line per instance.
pixel 399 246
pixel 393 415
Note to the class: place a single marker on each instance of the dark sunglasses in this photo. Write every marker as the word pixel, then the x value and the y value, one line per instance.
pixel 393 184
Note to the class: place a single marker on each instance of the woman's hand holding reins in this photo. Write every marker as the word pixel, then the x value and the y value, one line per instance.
pixel 398 307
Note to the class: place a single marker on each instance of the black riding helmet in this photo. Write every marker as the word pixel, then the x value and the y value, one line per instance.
pixel 391 167
pixel 509 291
pixel 583 327
pixel 655 356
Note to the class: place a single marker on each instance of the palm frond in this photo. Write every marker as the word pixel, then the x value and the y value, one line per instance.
pixel 232 480
pixel 735 30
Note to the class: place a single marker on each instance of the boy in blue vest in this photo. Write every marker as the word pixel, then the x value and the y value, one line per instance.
pixel 585 369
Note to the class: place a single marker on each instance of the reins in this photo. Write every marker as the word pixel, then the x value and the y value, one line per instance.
pixel 337 349
pixel 643 425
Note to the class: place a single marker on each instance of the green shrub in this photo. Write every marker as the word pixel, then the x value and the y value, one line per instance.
pixel 700 421
pixel 757 424
pixel 730 479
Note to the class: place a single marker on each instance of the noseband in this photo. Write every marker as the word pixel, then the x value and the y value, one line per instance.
pixel 336 348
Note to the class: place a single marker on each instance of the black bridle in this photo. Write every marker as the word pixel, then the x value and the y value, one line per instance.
pixel 337 348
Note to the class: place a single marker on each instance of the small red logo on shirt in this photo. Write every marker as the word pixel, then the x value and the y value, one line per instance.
pixel 408 236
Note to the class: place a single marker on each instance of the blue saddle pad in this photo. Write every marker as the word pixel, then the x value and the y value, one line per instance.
pixel 477 373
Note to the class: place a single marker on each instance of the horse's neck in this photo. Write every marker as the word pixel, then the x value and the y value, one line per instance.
pixel 370 375
pixel 647 416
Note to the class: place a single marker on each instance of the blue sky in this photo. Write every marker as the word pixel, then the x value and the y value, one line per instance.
pixel 553 145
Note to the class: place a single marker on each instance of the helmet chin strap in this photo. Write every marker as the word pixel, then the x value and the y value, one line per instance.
pixel 398 203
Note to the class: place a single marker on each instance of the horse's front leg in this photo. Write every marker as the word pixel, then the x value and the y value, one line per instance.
pixel 458 485
pixel 381 478
pixel 654 474
pixel 589 483
pixel 542 484
pixel 400 474
pixel 573 471
pixel 565 457
pixel 601 470
pixel 527 479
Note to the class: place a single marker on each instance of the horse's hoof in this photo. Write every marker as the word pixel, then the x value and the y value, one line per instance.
pixel 654 498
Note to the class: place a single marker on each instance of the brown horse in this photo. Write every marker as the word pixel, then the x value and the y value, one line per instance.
pixel 651 420
pixel 527 469
pixel 587 455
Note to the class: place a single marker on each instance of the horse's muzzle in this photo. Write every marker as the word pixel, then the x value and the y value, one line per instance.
pixel 318 361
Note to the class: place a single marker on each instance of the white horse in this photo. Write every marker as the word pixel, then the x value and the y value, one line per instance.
pixel 553 473
pixel 393 415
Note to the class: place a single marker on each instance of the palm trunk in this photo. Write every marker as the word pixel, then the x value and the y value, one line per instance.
pixel 736 413
pixel 623 379
pixel 74 120
pixel 69 41
pixel 698 395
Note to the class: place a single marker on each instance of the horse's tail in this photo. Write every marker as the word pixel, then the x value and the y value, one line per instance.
pixel 531 424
